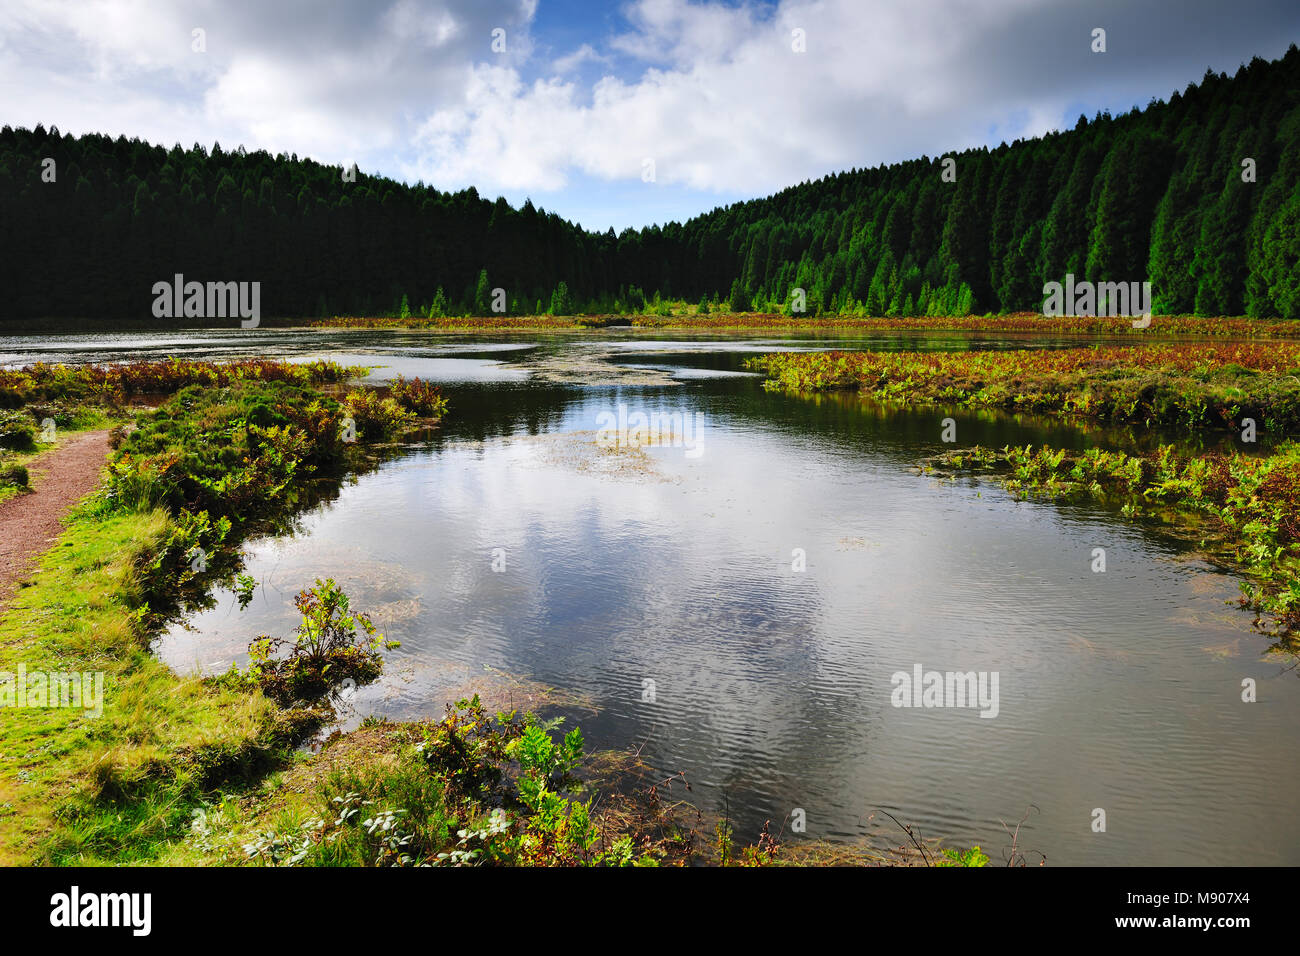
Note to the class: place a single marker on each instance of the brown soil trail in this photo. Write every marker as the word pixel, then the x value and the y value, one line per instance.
pixel 30 523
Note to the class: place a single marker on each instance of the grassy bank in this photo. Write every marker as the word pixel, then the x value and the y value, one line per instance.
pixel 472 789
pixel 1191 385
pixel 234 450
pixel 76 788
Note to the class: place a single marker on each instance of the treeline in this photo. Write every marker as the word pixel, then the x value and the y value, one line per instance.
pixel 1200 195
pixel 1156 194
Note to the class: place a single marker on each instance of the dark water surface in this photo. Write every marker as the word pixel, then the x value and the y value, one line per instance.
pixel 772 686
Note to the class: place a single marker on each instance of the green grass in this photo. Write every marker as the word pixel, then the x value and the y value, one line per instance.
pixel 120 787
pixel 82 789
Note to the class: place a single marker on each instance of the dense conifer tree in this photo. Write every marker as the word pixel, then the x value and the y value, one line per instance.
pixel 1159 194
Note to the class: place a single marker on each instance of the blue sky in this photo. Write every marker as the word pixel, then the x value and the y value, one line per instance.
pixel 719 101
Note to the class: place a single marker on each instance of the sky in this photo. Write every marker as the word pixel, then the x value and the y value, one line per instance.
pixel 617 114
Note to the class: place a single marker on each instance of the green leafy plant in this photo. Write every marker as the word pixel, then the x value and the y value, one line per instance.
pixel 17 430
pixel 418 396
pixel 972 857
pixel 378 417
pixel 331 644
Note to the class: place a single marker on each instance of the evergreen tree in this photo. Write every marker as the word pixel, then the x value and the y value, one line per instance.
pixel 1155 193
pixel 561 304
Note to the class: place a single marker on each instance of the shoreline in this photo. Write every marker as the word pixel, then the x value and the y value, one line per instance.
pixel 1026 323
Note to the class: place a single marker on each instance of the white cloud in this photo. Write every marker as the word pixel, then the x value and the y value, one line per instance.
pixel 584 54
pixel 506 135
pixel 726 104
pixel 713 93
pixel 338 82
pixel 732 106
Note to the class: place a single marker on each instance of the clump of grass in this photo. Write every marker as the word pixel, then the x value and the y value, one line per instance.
pixel 14 475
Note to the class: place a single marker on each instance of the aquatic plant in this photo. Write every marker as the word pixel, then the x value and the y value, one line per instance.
pixel 332 644
pixel 418 396
pixel 377 417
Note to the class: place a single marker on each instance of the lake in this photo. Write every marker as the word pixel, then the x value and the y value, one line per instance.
pixel 737 600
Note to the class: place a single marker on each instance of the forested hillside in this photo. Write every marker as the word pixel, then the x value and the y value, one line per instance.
pixel 1158 194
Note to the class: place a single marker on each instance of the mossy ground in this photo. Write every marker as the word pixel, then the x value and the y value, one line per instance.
pixel 81 789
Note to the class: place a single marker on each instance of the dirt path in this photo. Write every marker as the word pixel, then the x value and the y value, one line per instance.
pixel 30 523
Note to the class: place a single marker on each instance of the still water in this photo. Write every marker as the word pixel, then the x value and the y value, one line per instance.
pixel 737 608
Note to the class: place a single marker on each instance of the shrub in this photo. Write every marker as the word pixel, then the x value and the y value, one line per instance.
pixel 17 430
pixel 141 482
pixel 419 397
pixel 239 451
pixel 14 475
pixel 376 417
pixel 332 644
